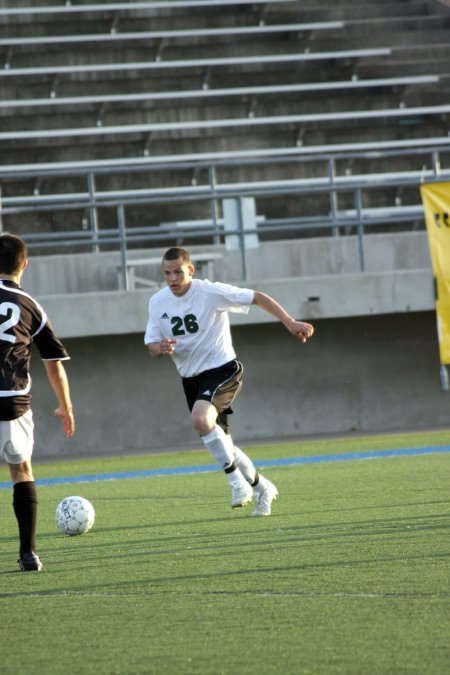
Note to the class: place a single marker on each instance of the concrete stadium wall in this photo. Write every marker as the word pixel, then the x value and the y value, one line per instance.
pixel 316 256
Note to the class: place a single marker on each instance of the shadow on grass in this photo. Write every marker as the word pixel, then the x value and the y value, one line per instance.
pixel 359 528
pixel 155 583
pixel 230 543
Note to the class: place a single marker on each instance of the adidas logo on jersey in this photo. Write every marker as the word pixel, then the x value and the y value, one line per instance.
pixel 164 316
pixel 206 393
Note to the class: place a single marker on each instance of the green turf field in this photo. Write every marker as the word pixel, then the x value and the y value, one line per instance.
pixel 350 574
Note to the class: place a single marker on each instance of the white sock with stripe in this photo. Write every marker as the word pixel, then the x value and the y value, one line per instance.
pixel 245 464
pixel 221 447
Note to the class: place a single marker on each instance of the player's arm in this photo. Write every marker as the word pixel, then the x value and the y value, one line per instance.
pixel 156 343
pixel 165 347
pixel 300 329
pixel 57 376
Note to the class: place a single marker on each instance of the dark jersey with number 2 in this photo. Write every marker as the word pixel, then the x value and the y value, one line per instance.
pixel 22 322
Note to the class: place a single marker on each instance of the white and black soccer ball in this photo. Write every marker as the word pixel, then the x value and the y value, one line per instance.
pixel 75 515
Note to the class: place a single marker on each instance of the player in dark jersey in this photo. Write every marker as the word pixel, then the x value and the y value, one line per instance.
pixel 23 322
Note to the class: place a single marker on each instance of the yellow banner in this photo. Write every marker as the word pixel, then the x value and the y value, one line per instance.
pixel 436 202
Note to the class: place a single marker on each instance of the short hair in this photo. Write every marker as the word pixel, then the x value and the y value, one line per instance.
pixel 13 252
pixel 175 253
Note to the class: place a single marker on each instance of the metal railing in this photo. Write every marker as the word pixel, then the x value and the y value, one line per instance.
pixel 331 184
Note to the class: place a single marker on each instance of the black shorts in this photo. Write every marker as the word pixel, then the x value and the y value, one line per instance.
pixel 220 386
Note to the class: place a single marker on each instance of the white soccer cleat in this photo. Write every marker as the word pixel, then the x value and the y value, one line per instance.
pixel 241 494
pixel 264 499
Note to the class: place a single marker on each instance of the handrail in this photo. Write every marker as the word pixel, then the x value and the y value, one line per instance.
pixel 123 237
pixel 82 200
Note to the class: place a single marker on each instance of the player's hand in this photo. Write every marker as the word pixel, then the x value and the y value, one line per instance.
pixel 167 346
pixel 67 419
pixel 302 330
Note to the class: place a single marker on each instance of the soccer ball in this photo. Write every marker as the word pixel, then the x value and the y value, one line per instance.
pixel 75 515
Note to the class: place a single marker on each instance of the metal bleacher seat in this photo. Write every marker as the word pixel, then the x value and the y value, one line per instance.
pixel 336 150
pixel 239 122
pixel 168 34
pixel 187 63
pixel 113 6
pixel 255 26
pixel 225 92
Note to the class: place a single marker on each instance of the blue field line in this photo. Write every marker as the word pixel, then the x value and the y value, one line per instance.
pixel 208 468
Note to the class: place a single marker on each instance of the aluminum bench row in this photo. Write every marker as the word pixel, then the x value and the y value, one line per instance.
pixel 68 8
pixel 205 93
pixel 230 123
pixel 362 149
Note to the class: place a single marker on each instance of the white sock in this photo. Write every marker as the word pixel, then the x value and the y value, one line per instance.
pixel 245 464
pixel 235 477
pixel 249 472
pixel 221 447
pixel 261 484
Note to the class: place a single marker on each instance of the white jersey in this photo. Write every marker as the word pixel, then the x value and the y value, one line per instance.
pixel 199 321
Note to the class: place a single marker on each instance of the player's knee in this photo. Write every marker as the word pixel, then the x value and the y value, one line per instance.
pixel 203 418
pixel 201 424
pixel 21 473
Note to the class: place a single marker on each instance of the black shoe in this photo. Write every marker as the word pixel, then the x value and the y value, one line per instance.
pixel 30 562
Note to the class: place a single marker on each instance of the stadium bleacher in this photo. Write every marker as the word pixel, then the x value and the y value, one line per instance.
pixel 329 115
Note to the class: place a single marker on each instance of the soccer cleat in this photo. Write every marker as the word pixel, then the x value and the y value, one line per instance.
pixel 241 494
pixel 264 499
pixel 30 562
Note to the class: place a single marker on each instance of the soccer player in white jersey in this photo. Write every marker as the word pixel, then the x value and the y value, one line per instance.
pixel 188 321
pixel 22 322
